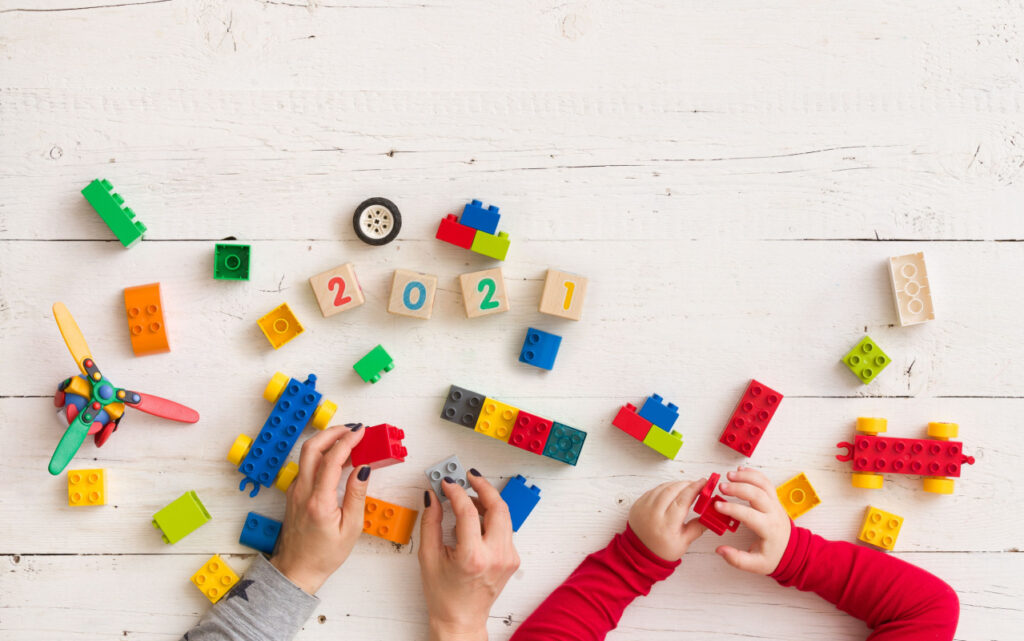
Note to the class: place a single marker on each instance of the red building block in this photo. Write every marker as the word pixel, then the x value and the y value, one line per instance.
pixel 710 517
pixel 452 231
pixel 920 456
pixel 530 432
pixel 750 418
pixel 380 447
pixel 632 423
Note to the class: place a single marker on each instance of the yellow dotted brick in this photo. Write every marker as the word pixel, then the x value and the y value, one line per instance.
pixel 880 528
pixel 797 495
pixel 215 578
pixel 87 487
pixel 496 420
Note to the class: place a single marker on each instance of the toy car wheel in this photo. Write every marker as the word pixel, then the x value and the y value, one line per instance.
pixel 871 426
pixel 938 485
pixel 286 476
pixel 323 414
pixel 101 436
pixel 239 449
pixel 377 221
pixel 274 388
pixel 943 431
pixel 867 480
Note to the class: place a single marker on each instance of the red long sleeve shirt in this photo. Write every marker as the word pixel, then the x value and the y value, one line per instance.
pixel 897 600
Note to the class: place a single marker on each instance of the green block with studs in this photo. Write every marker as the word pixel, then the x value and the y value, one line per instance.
pixel 866 360
pixel 111 208
pixel 231 262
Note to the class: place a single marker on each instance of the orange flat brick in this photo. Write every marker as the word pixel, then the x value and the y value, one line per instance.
pixel 388 521
pixel 146 319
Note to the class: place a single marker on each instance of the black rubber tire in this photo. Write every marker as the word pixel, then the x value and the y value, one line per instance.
pixel 378 230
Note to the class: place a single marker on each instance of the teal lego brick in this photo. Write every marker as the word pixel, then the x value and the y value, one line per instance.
pixel 565 443
pixel 866 360
pixel 665 443
pixel 495 247
pixel 231 262
pixel 110 206
pixel 181 517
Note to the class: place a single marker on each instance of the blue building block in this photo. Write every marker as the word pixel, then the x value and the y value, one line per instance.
pixel 540 348
pixel 520 499
pixel 260 532
pixel 474 215
pixel 565 443
pixel 656 411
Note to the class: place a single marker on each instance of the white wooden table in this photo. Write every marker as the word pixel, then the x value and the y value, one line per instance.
pixel 731 177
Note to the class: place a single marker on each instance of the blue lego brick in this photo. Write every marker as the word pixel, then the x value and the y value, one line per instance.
pixel 540 348
pixel 658 412
pixel 292 411
pixel 260 532
pixel 565 443
pixel 474 215
pixel 520 499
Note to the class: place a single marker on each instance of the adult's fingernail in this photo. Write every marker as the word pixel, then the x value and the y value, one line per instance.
pixel 426 498
pixel 474 471
pixel 449 479
pixel 364 473
pixel 356 427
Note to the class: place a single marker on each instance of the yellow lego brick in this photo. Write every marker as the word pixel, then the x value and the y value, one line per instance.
pixel 87 487
pixel 496 420
pixel 388 521
pixel 279 325
pixel 215 578
pixel 797 495
pixel 880 528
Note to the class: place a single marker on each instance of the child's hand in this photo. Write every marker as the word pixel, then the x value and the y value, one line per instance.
pixel 461 583
pixel 318 535
pixel 659 518
pixel 765 516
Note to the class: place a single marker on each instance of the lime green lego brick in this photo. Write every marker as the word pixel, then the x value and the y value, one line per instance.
pixel 110 206
pixel 665 443
pixel 231 262
pixel 181 517
pixel 490 245
pixel 866 360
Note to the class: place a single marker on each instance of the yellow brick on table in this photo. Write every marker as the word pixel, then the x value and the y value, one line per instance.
pixel 797 495
pixel 337 290
pixel 87 487
pixel 215 578
pixel 563 294
pixel 880 528
pixel 412 294
pixel 496 419
pixel 279 325
pixel 483 293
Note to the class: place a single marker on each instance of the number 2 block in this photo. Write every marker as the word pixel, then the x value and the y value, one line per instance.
pixel 563 295
pixel 412 294
pixel 337 290
pixel 483 293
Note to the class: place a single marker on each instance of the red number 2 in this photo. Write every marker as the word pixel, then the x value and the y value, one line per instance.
pixel 340 298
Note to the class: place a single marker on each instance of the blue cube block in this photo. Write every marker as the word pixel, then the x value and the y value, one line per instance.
pixel 656 411
pixel 474 215
pixel 520 499
pixel 540 348
pixel 260 532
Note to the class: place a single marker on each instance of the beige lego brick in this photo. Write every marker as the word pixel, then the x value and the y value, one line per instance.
pixel 910 289
pixel 483 293
pixel 563 294
pixel 337 290
pixel 412 294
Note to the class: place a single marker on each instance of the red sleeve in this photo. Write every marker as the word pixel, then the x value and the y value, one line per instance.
pixel 898 601
pixel 590 602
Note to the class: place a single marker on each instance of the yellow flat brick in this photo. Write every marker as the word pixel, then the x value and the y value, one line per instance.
pixel 87 487
pixel 496 419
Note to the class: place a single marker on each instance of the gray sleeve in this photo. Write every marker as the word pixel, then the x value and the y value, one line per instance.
pixel 262 606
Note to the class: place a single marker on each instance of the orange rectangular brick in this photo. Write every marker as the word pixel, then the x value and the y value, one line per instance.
pixel 146 319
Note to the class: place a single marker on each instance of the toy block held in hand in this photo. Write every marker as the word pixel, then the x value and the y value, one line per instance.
pixel 87 487
pixel 563 295
pixel 797 495
pixel 710 517
pixel 483 293
pixel 381 446
pixel 279 325
pixel 388 521
pixel 337 290
pixel 750 419
pixel 520 498
pixel 146 319
pixel 910 289
pixel 451 468
pixel 880 528
pixel 215 578
pixel 412 294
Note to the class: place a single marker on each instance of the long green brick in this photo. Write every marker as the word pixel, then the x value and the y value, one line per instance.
pixel 110 206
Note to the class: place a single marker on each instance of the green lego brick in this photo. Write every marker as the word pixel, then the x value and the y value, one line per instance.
pixel 369 367
pixel 110 206
pixel 866 360
pixel 665 443
pixel 181 517
pixel 490 245
pixel 231 262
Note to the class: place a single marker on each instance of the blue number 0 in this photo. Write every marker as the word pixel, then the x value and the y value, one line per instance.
pixel 414 286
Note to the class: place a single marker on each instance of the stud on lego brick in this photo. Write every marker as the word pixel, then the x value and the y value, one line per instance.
pixel 797 495
pixel 880 528
pixel 474 215
pixel 496 419
pixel 337 290
pixel 412 294
pixel 665 443
pixel 451 468
pixel 146 319
pixel 565 443
pixel 710 517
pixel 563 295
pixel 750 419
pixel 260 532
pixel 492 246
pixel 462 407
pixel 866 360
pixel 372 366
pixel 181 517
pixel 483 293
pixel 530 432
pixel 87 487
pixel 381 446
pixel 452 231
pixel 231 262
pixel 661 414
pixel 215 578
pixel 632 423
pixel 520 498
pixel 111 208
pixel 910 289
pixel 279 325
pixel 388 521
pixel 540 348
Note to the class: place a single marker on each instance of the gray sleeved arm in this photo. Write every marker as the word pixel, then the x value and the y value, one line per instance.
pixel 262 606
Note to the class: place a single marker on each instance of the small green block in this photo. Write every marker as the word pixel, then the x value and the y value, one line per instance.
pixel 181 517
pixel 110 206
pixel 490 245
pixel 565 443
pixel 665 443
pixel 866 360
pixel 369 367
pixel 231 262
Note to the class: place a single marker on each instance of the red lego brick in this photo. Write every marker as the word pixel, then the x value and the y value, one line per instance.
pixel 632 423
pixel 530 432
pixel 380 447
pixel 710 517
pixel 920 456
pixel 452 231
pixel 750 418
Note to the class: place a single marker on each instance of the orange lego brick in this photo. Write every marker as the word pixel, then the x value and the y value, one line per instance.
pixel 146 319
pixel 388 521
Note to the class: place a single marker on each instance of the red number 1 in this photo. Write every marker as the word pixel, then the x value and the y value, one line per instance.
pixel 340 298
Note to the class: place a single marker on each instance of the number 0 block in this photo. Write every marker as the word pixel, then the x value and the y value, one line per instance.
pixel 483 292
pixel 412 294
pixel 337 290
pixel 563 295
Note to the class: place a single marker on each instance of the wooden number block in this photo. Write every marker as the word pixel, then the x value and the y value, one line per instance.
pixel 483 293
pixel 337 290
pixel 563 295
pixel 412 294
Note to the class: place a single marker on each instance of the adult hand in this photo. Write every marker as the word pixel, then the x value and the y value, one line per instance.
pixel 659 518
pixel 765 516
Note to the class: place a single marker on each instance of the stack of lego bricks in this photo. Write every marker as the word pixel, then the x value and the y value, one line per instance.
pixel 652 425
pixel 476 230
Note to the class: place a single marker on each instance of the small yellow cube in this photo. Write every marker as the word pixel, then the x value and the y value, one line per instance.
pixel 215 578
pixel 279 325
pixel 496 420
pixel 797 495
pixel 880 528
pixel 87 487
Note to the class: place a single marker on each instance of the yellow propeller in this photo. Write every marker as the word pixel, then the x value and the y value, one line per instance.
pixel 73 337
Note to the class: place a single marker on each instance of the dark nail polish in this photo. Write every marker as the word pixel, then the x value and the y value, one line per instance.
pixel 449 479
pixel 364 473
pixel 426 498
pixel 355 427
pixel 474 471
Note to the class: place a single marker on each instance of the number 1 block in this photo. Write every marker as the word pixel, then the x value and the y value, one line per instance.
pixel 412 294
pixel 483 293
pixel 337 290
pixel 563 295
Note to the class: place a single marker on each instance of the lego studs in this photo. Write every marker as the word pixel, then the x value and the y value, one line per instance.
pixel 279 325
pixel 866 360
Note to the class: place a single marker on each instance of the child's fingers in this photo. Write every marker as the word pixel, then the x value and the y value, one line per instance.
pixel 430 528
pixel 692 530
pixel 749 493
pixel 467 519
pixel 739 559
pixel 752 476
pixel 745 514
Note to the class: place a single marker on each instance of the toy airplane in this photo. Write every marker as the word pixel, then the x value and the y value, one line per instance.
pixel 91 404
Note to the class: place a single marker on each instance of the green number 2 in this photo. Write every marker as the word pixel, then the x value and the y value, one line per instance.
pixel 488 302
